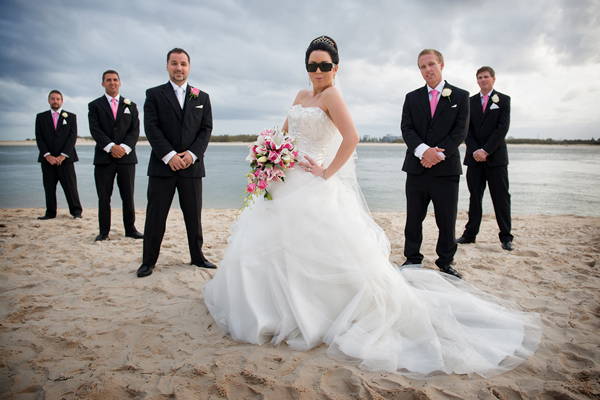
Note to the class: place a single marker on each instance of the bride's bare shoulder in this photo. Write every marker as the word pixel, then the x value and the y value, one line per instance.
pixel 302 95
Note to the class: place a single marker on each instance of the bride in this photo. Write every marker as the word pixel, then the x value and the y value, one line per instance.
pixel 311 266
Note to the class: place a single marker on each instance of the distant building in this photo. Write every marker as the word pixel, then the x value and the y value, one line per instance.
pixel 390 138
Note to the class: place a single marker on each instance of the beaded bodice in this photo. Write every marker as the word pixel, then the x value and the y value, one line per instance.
pixel 313 130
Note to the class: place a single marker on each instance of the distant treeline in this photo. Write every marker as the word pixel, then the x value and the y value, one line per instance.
pixel 532 141
pixel 252 138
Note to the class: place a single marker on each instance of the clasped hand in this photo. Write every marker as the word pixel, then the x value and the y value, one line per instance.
pixel 55 160
pixel 181 161
pixel 117 151
pixel 431 157
pixel 480 156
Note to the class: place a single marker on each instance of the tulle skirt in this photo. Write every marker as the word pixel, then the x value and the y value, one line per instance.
pixel 311 266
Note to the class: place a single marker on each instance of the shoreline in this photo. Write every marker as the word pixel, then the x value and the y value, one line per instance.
pixel 77 323
pixel 90 142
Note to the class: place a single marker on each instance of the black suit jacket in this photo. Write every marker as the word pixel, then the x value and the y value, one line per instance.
pixel 105 129
pixel 488 130
pixel 56 142
pixel 169 128
pixel 446 130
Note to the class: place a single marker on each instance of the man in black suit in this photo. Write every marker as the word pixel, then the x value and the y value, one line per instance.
pixel 178 124
pixel 435 120
pixel 55 135
pixel 115 126
pixel 487 157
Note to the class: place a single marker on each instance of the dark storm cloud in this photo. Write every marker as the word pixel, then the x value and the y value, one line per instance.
pixel 249 55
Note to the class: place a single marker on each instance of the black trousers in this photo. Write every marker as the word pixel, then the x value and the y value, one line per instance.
pixel 65 174
pixel 160 196
pixel 105 174
pixel 443 192
pixel 497 179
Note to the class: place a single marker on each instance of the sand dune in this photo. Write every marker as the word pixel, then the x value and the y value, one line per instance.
pixel 77 324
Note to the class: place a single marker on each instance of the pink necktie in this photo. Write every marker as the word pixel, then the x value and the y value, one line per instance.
pixel 433 102
pixel 485 100
pixel 114 107
pixel 55 119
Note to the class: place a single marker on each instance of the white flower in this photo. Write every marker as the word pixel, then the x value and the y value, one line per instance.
pixel 278 137
pixel 127 102
pixel 495 98
pixel 446 92
pixel 65 115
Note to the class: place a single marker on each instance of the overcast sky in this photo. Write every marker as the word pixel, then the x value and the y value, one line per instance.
pixel 249 56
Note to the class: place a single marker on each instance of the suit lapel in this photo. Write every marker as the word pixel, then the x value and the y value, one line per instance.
pixel 424 100
pixel 106 106
pixel 170 94
pixel 187 103
pixel 476 105
pixel 50 121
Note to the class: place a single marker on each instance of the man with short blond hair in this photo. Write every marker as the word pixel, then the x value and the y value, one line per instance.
pixel 434 123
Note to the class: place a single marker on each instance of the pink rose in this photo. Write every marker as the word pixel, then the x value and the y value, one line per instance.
pixel 291 164
pixel 262 184
pixel 251 187
pixel 195 91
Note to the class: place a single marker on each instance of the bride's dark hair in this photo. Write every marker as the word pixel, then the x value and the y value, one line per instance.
pixel 324 43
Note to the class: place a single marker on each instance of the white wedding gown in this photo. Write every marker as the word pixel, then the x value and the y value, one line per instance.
pixel 311 266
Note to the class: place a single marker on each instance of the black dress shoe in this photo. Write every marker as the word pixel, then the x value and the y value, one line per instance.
pixel 135 235
pixel 46 217
pixel 144 270
pixel 507 246
pixel 77 216
pixel 407 263
pixel 450 271
pixel 100 238
pixel 464 240
pixel 205 264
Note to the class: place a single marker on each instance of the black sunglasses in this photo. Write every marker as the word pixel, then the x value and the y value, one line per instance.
pixel 324 67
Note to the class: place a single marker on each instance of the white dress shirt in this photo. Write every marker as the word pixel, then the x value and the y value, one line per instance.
pixel 170 155
pixel 56 112
pixel 423 147
pixel 489 98
pixel 111 144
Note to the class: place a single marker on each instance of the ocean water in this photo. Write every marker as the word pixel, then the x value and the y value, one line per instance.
pixel 544 179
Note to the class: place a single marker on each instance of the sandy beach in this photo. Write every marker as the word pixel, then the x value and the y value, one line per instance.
pixel 77 324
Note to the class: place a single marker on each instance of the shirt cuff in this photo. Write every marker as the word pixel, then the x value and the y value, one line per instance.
pixel 108 147
pixel 127 148
pixel 63 154
pixel 481 150
pixel 47 154
pixel 420 150
pixel 193 156
pixel 168 157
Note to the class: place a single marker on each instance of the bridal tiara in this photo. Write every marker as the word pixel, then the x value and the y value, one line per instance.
pixel 325 40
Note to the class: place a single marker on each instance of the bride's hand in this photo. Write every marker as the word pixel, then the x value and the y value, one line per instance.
pixel 313 167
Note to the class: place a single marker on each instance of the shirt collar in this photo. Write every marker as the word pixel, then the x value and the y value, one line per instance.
pixel 109 98
pixel 58 112
pixel 175 86
pixel 439 87
pixel 489 94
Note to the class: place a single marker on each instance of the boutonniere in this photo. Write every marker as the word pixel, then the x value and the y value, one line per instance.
pixel 64 115
pixel 194 93
pixel 446 93
pixel 495 98
pixel 127 102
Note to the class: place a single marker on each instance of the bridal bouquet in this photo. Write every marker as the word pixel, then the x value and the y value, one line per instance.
pixel 273 152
